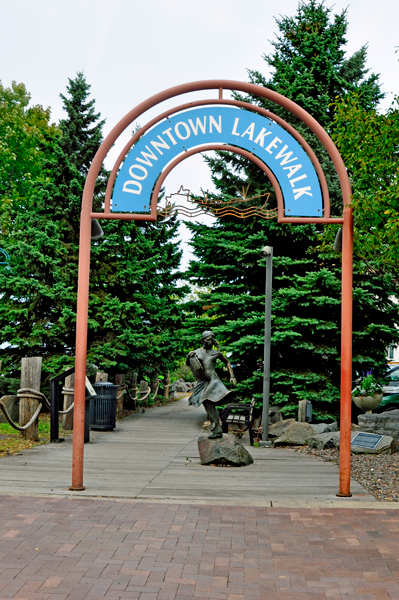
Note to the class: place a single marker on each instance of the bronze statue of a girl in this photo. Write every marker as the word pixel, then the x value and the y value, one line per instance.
pixel 209 390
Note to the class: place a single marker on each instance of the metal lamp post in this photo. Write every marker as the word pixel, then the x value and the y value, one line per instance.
pixel 267 252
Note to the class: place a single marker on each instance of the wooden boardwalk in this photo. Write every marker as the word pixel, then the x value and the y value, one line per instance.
pixel 154 456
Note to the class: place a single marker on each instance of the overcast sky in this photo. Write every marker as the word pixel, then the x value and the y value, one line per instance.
pixel 130 50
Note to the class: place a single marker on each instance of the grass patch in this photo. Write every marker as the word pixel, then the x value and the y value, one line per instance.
pixel 13 443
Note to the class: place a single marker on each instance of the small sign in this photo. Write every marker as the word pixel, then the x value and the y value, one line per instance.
pixel 366 440
pixel 90 388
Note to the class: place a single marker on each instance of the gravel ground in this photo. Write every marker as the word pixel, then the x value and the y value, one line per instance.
pixel 378 473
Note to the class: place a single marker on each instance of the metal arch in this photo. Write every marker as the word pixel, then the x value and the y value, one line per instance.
pixel 219 101
pixel 84 261
pixel 219 85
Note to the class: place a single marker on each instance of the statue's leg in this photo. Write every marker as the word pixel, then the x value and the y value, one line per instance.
pixel 213 416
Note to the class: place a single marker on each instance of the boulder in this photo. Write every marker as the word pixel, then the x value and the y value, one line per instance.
pixel 275 414
pixel 386 423
pixel 385 446
pixel 327 440
pixel 320 427
pixel 325 427
pixel 12 405
pixel 278 428
pixel 226 450
pixel 297 434
pixel 332 426
pixel 322 441
pixel 179 386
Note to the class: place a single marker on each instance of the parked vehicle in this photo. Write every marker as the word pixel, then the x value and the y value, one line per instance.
pixel 390 399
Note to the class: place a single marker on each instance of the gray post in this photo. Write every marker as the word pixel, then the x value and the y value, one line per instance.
pixel 268 252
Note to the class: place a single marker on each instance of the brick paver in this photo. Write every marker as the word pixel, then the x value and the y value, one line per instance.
pixel 76 549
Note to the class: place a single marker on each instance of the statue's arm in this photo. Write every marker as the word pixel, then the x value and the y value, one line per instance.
pixel 189 355
pixel 226 361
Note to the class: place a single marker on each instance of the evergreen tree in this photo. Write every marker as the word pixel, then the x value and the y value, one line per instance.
pixel 133 292
pixel 310 68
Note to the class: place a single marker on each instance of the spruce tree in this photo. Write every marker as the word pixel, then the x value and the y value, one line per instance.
pixel 310 68
pixel 133 292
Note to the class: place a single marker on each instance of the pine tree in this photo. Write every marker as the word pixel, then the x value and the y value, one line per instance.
pixel 133 294
pixel 310 68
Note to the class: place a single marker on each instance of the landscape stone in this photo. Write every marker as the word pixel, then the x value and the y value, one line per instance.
pixel 277 429
pixel 323 441
pixel 386 423
pixel 12 405
pixel 297 434
pixel 320 427
pixel 384 446
pixel 275 414
pixel 180 386
pixel 332 426
pixel 226 450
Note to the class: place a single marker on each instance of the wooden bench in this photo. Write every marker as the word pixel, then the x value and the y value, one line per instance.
pixel 239 414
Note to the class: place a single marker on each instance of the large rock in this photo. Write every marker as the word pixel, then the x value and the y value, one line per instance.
pixel 223 451
pixel 297 434
pixel 385 446
pixel 325 427
pixel 278 428
pixel 275 414
pixel 321 441
pixel 324 441
pixel 180 386
pixel 386 423
pixel 320 428
pixel 12 405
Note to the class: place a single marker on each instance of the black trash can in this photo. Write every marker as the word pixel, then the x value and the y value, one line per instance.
pixel 103 406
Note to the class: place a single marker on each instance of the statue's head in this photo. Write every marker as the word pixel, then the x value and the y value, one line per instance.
pixel 208 340
pixel 207 334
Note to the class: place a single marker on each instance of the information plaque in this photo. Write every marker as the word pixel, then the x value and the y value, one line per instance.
pixel 366 440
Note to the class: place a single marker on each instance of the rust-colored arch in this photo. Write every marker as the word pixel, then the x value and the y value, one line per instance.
pixel 84 259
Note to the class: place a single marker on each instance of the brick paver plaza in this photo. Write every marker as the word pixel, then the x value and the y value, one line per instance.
pixel 153 524
pixel 54 548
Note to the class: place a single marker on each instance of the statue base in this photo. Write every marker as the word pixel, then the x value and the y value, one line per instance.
pixel 225 451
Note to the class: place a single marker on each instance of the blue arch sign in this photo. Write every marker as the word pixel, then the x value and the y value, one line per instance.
pixel 192 128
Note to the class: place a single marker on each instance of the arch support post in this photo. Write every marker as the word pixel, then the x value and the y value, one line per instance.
pixel 81 348
pixel 346 355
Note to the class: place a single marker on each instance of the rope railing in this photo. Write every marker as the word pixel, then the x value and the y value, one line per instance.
pixel 35 394
pixel 25 393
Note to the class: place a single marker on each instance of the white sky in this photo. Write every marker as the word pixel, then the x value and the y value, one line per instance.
pixel 130 50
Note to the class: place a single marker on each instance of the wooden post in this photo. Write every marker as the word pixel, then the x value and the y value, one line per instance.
pixel 119 381
pixel 144 387
pixel 166 383
pixel 101 376
pixel 133 387
pixel 67 420
pixel 154 385
pixel 31 370
pixel 302 411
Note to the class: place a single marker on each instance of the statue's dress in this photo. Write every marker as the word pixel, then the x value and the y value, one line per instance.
pixel 208 385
